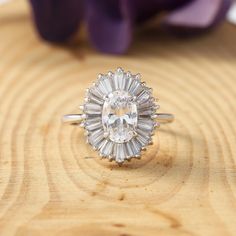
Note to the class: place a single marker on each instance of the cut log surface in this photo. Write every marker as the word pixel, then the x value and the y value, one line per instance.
pixel 53 183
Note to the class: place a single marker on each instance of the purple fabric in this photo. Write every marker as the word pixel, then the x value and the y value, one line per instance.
pixel 57 20
pixel 110 23
pixel 197 16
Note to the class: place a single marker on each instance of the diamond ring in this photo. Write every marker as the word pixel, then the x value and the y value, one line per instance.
pixel 119 116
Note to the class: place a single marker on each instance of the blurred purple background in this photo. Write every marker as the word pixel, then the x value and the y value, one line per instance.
pixel 110 23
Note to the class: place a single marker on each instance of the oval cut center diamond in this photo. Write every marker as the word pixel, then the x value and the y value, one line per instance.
pixel 119 116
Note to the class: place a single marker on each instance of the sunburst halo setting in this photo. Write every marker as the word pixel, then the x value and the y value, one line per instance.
pixel 119 115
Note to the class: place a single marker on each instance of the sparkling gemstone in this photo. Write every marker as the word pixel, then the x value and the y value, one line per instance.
pixel 119 116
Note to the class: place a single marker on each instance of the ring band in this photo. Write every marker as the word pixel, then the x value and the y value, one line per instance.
pixel 77 119
pixel 119 115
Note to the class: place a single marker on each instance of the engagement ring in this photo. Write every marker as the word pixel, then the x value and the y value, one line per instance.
pixel 119 116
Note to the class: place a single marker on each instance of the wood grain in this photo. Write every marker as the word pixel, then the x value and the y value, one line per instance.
pixel 52 183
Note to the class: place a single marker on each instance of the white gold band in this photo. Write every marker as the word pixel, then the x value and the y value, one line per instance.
pixel 76 119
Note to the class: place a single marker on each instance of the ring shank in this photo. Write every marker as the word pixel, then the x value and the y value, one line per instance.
pixel 164 118
pixel 76 119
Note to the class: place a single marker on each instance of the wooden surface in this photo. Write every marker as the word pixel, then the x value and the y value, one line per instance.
pixel 52 183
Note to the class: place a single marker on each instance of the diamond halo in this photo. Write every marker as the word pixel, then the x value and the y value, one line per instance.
pixel 119 113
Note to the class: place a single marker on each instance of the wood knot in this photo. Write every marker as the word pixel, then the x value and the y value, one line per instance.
pixel 121 197
pixel 119 225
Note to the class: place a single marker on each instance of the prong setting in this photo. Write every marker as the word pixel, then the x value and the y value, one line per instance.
pixel 119 116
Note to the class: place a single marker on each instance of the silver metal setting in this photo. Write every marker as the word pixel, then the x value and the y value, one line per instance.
pixel 119 116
